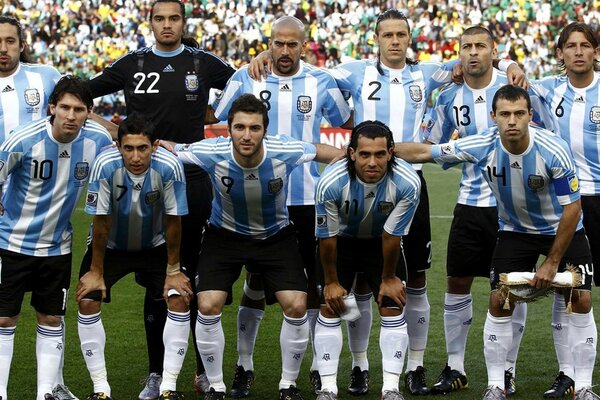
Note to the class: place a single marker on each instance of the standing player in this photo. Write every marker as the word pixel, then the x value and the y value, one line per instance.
pixel 48 163
pixel 367 202
pixel 465 110
pixel 298 97
pixel 137 196
pixel 250 172
pixel 573 101
pixel 533 177
pixel 169 82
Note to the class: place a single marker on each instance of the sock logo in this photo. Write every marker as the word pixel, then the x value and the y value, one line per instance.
pixel 398 355
pixel 89 353
pixel 210 359
pixel 242 327
pixel 181 352
pixel 297 356
pixel 421 320
pixel 492 338
pixel 589 340
pixel 326 357
pixel 468 322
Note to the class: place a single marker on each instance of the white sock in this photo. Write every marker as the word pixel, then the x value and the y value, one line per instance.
pixel 7 344
pixel 210 340
pixel 175 338
pixel 48 350
pixel 560 333
pixel 293 340
pixel 393 341
pixel 328 344
pixel 248 322
pixel 359 331
pixel 582 341
pixel 59 375
pixel 458 316
pixel 519 317
pixel 416 313
pixel 313 314
pixel 497 339
pixel 93 340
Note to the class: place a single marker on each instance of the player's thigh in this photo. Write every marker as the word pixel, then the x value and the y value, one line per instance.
pixel 51 284
pixel 514 252
pixel 17 273
pixel 150 268
pixel 591 217
pixel 579 256
pixel 303 218
pixel 417 244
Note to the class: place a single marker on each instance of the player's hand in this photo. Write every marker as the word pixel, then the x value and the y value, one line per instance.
pixel 544 275
pixel 457 74
pixel 260 66
pixel 516 76
pixel 181 284
pixel 168 145
pixel 334 293
pixel 394 289
pixel 90 282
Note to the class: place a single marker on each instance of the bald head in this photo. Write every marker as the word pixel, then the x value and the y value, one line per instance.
pixel 288 23
pixel 287 44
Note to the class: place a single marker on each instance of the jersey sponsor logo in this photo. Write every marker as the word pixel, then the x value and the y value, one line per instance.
pixel 574 184
pixel 152 197
pixel 7 89
pixel 191 82
pixel 595 114
pixel 82 170
pixel 535 182
pixel 321 221
pixel 251 177
pixel 415 93
pixel 395 81
pixel 275 185
pixel 64 154
pixel 370 195
pixel 32 97
pixel 385 207
pixel 479 100
pixel 137 186
pixel 285 88
pixel 92 199
pixel 168 68
pixel 304 104
pixel 579 99
pixel 515 165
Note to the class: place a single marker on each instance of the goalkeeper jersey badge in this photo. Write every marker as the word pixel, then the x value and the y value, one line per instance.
pixel 191 82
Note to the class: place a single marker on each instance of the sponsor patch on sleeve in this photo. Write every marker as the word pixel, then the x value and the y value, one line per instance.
pixel 321 221
pixel 92 199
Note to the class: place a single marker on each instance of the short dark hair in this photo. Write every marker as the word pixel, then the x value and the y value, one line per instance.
pixel 391 13
pixel 24 56
pixel 511 93
pixel 72 85
pixel 587 32
pixel 477 30
pixel 181 6
pixel 370 130
pixel 136 124
pixel 248 103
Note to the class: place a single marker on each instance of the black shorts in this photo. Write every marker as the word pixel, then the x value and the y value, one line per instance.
pixel 363 256
pixel 303 218
pixel 276 258
pixel 591 222
pixel 47 278
pixel 417 244
pixel 471 241
pixel 519 252
pixel 149 266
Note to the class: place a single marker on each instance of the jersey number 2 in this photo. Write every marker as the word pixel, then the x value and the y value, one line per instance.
pixel 152 77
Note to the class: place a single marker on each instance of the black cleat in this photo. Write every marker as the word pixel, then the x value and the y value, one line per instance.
pixel 291 393
pixel 171 395
pixel 415 382
pixel 562 386
pixel 212 395
pixel 509 383
pixel 48 396
pixel 449 380
pixel 98 396
pixel 242 382
pixel 315 381
pixel 359 382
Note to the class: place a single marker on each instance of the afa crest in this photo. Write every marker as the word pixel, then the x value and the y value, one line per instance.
pixel 595 114
pixel 385 207
pixel 535 182
pixel 191 82
pixel 415 93
pixel 32 97
pixel 152 197
pixel 304 104
pixel 275 185
pixel 82 170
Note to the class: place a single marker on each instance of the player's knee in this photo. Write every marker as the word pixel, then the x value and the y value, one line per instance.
pixel 460 284
pixel 176 303
pixel 295 307
pixel 48 320
pixel 581 301
pixel 416 279
pixel 88 307
pixel 8 322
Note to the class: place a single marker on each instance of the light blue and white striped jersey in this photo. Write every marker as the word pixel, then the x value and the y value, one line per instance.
pixel 296 106
pixel 530 188
pixel 352 208
pixel 46 180
pixel 137 203
pixel 576 116
pixel 249 201
pixel 398 98
pixel 24 95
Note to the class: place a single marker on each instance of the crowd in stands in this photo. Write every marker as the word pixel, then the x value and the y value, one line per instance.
pixel 84 36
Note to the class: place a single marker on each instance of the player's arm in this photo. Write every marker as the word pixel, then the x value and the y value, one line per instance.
pixel 210 118
pixel 327 153
pixel 94 278
pixel 350 123
pixel 333 292
pixel 113 129
pixel 415 153
pixel 260 65
pixel 564 234
pixel 175 279
pixel 391 286
pixel 514 73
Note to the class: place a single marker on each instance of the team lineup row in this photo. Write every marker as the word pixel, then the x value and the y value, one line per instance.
pixel 531 176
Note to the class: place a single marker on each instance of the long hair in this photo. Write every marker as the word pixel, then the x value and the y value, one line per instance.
pixel 589 34
pixel 25 55
pixel 370 130
pixel 391 13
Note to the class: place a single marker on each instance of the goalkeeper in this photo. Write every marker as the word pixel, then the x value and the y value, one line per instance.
pixel 533 177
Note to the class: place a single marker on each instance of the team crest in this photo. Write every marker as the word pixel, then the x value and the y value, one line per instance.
pixel 573 184
pixel 595 114
pixel 321 221
pixel 304 104
pixel 92 199
pixel 415 93
pixel 32 97
pixel 82 169
pixel 152 197
pixel 385 207
pixel 275 185
pixel 535 182
pixel 191 82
